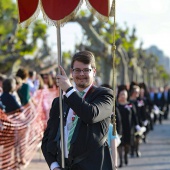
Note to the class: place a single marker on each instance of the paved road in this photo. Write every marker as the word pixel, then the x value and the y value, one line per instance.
pixel 155 153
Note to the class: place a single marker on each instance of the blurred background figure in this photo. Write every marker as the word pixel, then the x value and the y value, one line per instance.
pixel 7 97
pixel 144 96
pixel 18 86
pixel 33 82
pixel 47 80
pixel 141 116
pixel 159 101
pixel 53 75
pixel 24 90
pixel 2 78
pixel 166 99
pixel 128 123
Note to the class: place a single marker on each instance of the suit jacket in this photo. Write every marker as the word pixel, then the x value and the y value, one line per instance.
pixel 166 99
pixel 94 118
pixel 159 101
pixel 10 102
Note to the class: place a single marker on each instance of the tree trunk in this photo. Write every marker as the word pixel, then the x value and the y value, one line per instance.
pixel 123 71
pixel 106 72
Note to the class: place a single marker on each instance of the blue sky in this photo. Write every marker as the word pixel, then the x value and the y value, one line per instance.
pixel 150 17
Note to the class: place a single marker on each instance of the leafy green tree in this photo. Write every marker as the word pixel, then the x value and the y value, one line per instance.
pixel 98 38
pixel 19 46
pixel 132 63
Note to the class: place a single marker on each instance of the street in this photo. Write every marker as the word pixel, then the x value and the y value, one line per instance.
pixel 155 153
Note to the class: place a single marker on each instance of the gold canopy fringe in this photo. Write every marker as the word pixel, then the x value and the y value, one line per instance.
pixel 63 21
pixel 26 23
pixel 97 14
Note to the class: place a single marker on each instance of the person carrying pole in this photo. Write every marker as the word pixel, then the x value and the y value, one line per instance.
pixel 87 115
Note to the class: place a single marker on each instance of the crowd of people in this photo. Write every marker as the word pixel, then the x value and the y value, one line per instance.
pixel 17 91
pixel 137 109
pixel 24 99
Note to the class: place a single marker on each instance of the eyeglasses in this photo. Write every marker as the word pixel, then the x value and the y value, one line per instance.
pixel 85 71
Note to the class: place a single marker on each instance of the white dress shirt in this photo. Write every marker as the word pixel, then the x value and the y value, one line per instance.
pixel 68 126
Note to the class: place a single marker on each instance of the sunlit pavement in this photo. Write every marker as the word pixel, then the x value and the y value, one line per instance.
pixel 155 153
pixel 38 163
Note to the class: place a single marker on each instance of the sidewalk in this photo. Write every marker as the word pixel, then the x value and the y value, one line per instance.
pixel 155 153
pixel 38 163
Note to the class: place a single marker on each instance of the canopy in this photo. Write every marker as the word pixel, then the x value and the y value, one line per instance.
pixel 60 11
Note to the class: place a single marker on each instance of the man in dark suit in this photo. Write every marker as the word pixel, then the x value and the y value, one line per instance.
pixel 159 101
pixel 87 116
pixel 166 101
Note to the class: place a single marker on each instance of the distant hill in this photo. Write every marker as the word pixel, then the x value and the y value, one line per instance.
pixel 162 59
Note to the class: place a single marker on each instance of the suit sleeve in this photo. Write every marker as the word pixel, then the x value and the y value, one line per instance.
pixel 49 145
pixel 134 115
pixel 118 121
pixel 94 111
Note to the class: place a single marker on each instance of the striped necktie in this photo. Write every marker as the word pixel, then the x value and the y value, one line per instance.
pixel 73 125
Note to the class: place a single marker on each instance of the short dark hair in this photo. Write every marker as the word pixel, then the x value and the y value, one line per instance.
pixel 23 73
pixel 133 89
pixel 85 57
pixel 8 85
pixel 121 88
pixel 31 73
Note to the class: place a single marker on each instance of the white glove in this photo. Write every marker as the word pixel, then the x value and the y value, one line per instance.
pixel 138 128
pixel 156 109
pixel 145 122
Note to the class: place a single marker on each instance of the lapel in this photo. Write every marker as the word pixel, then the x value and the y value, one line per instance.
pixel 65 111
pixel 87 99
